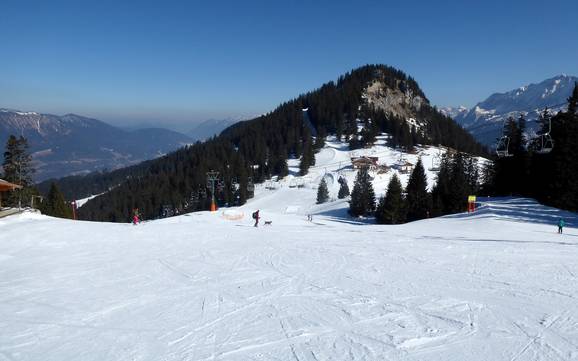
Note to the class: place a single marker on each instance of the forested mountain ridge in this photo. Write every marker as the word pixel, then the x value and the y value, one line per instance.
pixel 486 119
pixel 73 144
pixel 358 106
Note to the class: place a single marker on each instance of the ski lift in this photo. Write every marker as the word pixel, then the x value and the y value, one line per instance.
pixel 220 185
pixel 250 185
pixel 436 162
pixel 503 144
pixel 544 142
pixel 502 147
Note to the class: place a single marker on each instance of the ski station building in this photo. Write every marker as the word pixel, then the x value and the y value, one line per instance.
pixel 6 187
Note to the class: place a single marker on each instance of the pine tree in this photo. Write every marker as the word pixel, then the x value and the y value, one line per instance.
pixel 320 139
pixel 322 192
pixel 418 198
pixel 363 196
pixel 391 208
pixel 573 101
pixel 560 166
pixel 343 188
pixel 307 159
pixel 258 145
pixel 54 204
pixel 18 170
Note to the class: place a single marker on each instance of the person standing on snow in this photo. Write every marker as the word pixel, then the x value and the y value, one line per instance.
pixel 256 217
pixel 561 225
pixel 135 217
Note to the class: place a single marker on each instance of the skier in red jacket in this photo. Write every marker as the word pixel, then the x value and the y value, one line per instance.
pixel 135 217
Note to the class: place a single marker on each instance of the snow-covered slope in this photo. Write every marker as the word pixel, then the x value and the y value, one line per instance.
pixel 498 285
pixel 485 120
pixel 334 161
pixel 454 112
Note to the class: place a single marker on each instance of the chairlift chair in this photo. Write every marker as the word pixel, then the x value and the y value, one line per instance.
pixel 545 144
pixel 503 143
pixel 435 163
pixel 545 141
pixel 502 147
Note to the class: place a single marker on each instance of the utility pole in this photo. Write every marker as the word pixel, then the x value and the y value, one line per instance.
pixel 212 178
pixel 73 205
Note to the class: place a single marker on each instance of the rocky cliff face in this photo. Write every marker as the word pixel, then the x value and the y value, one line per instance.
pixel 402 104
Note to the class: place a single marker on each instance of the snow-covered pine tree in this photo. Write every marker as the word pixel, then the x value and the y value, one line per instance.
pixel 322 192
pixel 418 198
pixel 343 188
pixel 363 196
pixel 391 208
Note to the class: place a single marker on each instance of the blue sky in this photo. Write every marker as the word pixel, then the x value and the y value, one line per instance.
pixel 169 62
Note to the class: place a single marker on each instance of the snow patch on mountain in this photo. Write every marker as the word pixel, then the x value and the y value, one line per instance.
pixel 485 119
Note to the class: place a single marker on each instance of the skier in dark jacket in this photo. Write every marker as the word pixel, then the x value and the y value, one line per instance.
pixel 256 218
pixel 561 225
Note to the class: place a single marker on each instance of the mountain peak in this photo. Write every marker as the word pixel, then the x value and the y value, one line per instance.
pixel 485 119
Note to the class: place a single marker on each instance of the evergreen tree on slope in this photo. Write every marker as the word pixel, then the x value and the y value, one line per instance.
pixel 18 169
pixel 391 208
pixel 418 198
pixel 343 188
pixel 322 192
pixel 54 204
pixel 363 196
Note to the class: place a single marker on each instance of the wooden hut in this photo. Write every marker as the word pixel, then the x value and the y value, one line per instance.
pixel 365 162
pixel 7 187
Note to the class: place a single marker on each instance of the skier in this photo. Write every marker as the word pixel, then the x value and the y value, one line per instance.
pixel 561 225
pixel 135 217
pixel 256 217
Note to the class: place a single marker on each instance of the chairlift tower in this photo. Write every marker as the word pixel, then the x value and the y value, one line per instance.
pixel 212 178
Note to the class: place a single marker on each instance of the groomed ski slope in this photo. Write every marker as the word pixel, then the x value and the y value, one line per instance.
pixel 499 285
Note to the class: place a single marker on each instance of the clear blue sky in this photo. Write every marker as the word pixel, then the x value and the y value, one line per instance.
pixel 169 61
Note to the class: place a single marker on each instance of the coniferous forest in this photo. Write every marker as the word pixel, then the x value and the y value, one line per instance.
pixel 252 151
pixel 529 169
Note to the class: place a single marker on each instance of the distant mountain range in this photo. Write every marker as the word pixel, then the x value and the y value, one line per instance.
pixel 73 144
pixel 485 120
pixel 211 127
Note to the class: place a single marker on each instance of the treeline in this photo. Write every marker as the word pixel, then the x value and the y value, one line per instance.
pixel 527 167
pixel 178 183
pixel 253 151
pixel 458 177
pixel 18 169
